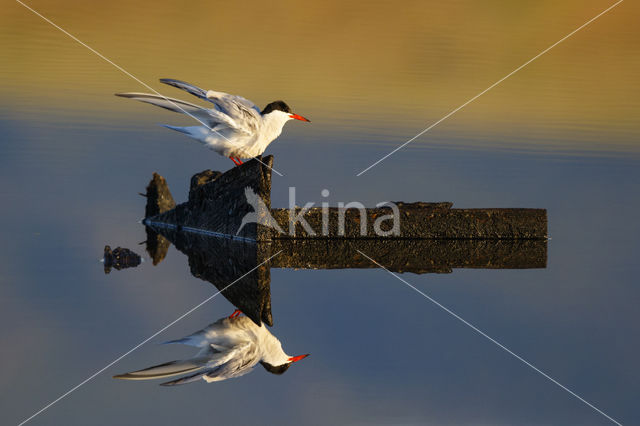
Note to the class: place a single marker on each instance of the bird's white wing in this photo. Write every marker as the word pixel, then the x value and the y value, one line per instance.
pixel 245 114
pixel 218 335
pixel 225 365
pixel 168 369
pixel 208 359
pixel 217 374
pixel 214 119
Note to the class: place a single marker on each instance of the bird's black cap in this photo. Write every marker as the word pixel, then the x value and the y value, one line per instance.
pixel 276 105
pixel 275 369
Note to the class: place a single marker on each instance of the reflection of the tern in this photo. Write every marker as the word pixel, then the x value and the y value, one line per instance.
pixel 230 347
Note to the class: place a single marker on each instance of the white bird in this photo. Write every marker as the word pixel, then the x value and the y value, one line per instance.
pixel 235 127
pixel 230 347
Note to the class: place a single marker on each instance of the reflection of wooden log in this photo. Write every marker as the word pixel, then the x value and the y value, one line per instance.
pixel 218 203
pixel 232 267
pixel 238 268
pixel 227 259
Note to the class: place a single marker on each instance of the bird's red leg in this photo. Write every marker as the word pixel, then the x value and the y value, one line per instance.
pixel 234 161
pixel 239 160
pixel 235 314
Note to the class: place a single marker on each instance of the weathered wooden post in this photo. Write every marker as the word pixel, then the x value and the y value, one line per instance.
pixel 218 203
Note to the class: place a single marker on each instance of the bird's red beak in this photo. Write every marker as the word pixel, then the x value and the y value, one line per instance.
pixel 298 358
pixel 299 117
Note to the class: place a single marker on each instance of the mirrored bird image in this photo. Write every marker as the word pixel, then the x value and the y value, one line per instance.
pixel 235 127
pixel 230 347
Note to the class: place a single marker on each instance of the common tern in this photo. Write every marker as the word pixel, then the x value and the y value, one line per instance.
pixel 235 127
pixel 230 347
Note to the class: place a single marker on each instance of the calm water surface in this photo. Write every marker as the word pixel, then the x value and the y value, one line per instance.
pixel 562 134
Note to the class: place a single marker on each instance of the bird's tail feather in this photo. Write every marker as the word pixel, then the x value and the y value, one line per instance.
pixel 175 105
pixel 167 369
pixel 213 122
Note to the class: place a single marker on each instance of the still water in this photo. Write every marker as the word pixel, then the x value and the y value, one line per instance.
pixel 561 134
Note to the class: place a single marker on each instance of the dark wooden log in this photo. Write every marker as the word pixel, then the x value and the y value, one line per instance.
pixel 199 179
pixel 418 256
pixel 417 220
pixel 228 205
pixel 432 237
pixel 218 202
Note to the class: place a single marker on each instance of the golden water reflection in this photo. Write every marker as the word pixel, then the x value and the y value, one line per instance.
pixel 385 66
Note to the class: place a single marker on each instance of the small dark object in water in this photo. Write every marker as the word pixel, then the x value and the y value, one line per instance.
pixel 119 258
